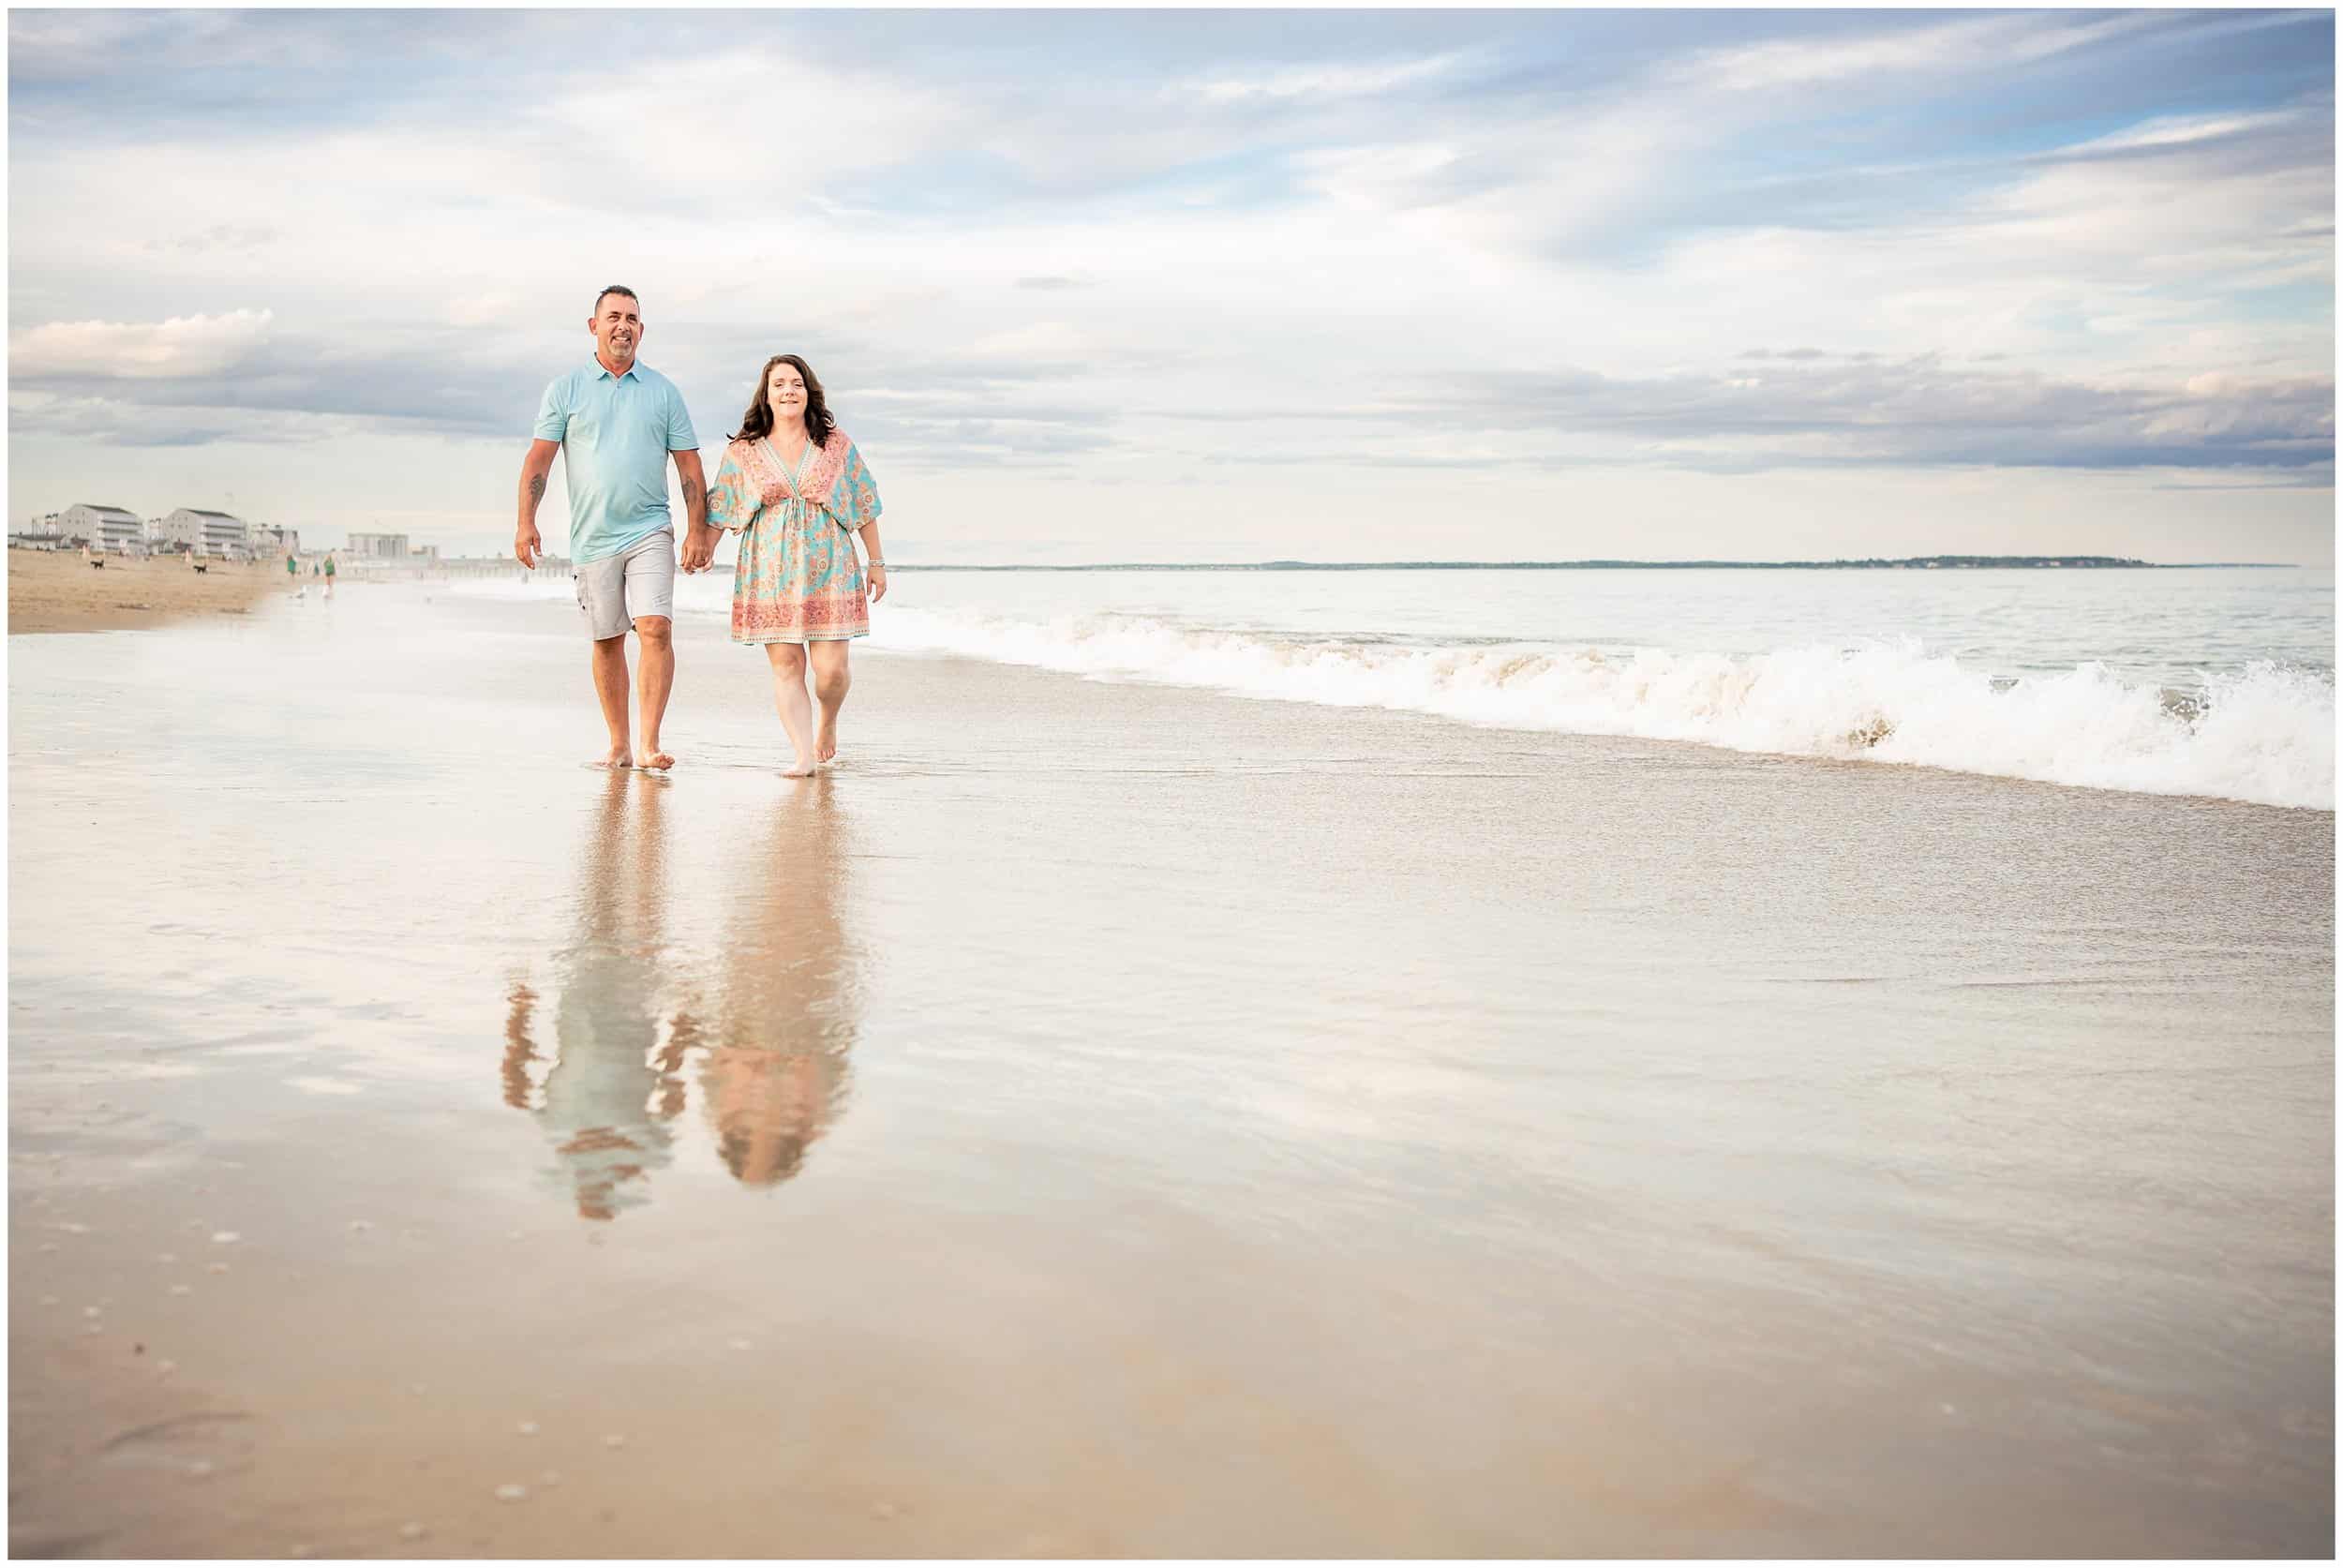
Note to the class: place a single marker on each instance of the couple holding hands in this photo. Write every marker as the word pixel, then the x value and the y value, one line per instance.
pixel 790 484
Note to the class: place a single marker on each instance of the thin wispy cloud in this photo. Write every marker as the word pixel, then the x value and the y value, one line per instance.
pixel 1980 43
pixel 1315 81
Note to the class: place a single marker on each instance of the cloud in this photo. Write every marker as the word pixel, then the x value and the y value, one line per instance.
pixel 182 347
pixel 220 236
pixel 2036 240
pixel 1348 80
pixel 2178 130
pixel 1917 412
pixel 1971 44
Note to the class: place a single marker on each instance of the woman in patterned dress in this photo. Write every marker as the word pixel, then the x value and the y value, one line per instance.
pixel 794 489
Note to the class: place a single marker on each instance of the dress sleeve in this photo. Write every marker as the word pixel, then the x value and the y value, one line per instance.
pixel 732 505
pixel 855 500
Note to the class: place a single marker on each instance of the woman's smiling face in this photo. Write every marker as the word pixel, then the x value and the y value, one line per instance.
pixel 784 390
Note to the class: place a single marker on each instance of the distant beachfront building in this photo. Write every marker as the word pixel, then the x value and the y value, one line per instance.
pixel 111 527
pixel 209 533
pixel 44 532
pixel 391 545
pixel 270 543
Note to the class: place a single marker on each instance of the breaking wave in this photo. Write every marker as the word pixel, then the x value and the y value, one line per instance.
pixel 2265 734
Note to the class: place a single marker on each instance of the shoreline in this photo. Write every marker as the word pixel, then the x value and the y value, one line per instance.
pixel 1906 563
pixel 54 592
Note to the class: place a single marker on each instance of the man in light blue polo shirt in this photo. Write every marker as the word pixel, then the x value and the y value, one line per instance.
pixel 617 424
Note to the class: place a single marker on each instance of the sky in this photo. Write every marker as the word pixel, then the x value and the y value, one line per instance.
pixel 1093 286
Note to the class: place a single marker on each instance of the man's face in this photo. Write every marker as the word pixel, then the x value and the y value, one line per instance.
pixel 617 327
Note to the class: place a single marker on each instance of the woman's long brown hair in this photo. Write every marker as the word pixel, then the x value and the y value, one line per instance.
pixel 758 421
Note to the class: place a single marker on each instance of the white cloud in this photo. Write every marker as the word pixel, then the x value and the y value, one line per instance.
pixel 2178 130
pixel 1968 44
pixel 1307 240
pixel 1313 81
pixel 179 348
pixel 1042 342
pixel 752 127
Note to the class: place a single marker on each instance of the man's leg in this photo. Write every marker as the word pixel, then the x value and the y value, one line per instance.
pixel 610 686
pixel 601 599
pixel 830 680
pixel 654 678
pixel 651 607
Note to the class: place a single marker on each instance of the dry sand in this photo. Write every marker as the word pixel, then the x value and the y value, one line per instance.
pixel 58 592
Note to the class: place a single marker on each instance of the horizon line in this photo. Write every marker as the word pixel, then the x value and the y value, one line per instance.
pixel 2043 562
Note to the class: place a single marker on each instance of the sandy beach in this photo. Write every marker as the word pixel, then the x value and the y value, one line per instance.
pixel 58 592
pixel 1121 1120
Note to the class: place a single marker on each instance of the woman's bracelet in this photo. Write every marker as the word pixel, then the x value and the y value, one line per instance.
pixel 875 562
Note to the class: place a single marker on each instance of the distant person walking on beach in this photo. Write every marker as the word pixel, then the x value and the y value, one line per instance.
pixel 795 489
pixel 618 423
pixel 329 574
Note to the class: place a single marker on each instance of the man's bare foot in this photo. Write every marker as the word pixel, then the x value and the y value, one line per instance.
pixel 825 741
pixel 652 756
pixel 802 769
pixel 616 757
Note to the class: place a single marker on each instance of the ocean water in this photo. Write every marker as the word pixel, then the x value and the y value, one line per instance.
pixel 2214 682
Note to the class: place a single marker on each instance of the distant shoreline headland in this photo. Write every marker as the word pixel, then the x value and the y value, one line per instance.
pixel 1908 563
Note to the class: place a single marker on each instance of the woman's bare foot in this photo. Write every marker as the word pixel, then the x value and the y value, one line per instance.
pixel 802 769
pixel 651 756
pixel 620 755
pixel 825 740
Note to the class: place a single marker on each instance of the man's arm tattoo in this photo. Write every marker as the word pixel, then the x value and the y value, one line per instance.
pixel 536 487
pixel 690 491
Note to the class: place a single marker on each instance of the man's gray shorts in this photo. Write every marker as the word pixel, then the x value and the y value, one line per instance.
pixel 639 580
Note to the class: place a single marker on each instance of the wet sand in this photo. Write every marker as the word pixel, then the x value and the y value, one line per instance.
pixel 58 592
pixel 1118 1120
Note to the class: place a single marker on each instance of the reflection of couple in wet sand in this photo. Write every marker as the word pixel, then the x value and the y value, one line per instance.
pixel 770 1059
pixel 790 485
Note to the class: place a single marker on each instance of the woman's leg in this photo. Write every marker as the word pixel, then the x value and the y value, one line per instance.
pixel 796 713
pixel 830 680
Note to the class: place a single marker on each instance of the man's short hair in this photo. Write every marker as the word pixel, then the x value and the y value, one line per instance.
pixel 616 289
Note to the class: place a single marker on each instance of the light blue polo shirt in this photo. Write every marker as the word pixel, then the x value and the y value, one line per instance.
pixel 616 432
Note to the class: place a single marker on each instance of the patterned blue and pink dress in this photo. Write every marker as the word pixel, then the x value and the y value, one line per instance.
pixel 799 577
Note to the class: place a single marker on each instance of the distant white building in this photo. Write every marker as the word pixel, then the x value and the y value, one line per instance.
pixel 207 533
pixel 391 545
pixel 274 541
pixel 111 527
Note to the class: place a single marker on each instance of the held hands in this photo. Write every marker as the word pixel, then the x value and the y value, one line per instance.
pixel 699 548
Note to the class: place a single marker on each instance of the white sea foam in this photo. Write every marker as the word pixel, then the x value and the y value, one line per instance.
pixel 2264 734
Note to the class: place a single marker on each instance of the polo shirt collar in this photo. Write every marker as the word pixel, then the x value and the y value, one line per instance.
pixel 602 371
